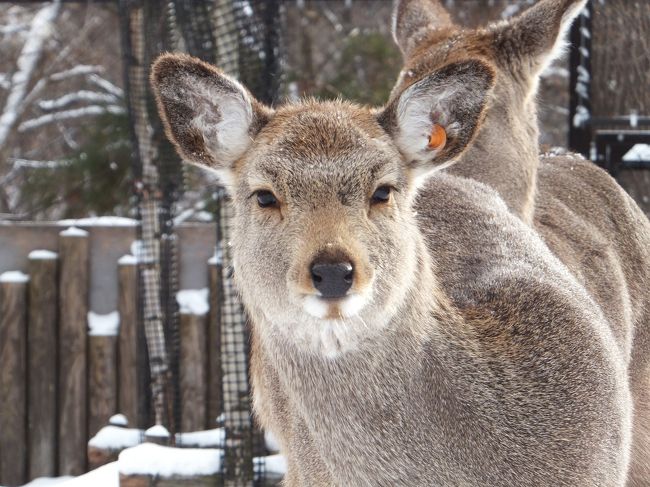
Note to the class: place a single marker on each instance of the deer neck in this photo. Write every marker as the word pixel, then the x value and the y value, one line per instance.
pixel 505 154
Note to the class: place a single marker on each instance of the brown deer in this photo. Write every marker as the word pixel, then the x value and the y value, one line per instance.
pixel 580 212
pixel 408 328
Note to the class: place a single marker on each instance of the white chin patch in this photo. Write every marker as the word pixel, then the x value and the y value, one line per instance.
pixel 347 307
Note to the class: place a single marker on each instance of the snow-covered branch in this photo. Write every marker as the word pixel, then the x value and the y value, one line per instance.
pixel 106 85
pixel 79 96
pixel 39 31
pixel 27 163
pixel 92 110
pixel 80 70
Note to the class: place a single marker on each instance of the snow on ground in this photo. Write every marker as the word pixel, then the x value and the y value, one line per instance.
pixel 127 259
pixel 103 325
pixel 74 232
pixel 43 255
pixel 48 481
pixel 151 459
pixel 116 438
pixel 193 301
pixel 96 221
pixel 14 276
pixel 640 152
pixel 105 476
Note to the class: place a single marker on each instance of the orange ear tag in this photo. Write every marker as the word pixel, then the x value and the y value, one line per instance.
pixel 438 137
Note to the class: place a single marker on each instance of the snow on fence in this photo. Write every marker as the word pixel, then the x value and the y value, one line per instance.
pixel 65 370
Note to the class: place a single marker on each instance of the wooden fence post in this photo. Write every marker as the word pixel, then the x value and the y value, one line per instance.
pixel 42 351
pixel 13 378
pixel 132 357
pixel 215 402
pixel 73 337
pixel 193 359
pixel 102 378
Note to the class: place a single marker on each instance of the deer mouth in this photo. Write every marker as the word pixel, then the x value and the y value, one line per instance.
pixel 334 308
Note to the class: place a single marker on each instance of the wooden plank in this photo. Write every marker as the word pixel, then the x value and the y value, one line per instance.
pixel 13 378
pixel 102 381
pixel 215 402
pixel 193 371
pixel 73 336
pixel 42 361
pixel 132 354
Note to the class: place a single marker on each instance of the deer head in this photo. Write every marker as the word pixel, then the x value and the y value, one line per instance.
pixel 324 232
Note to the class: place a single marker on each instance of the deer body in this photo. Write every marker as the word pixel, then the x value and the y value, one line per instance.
pixel 410 328
pixel 580 212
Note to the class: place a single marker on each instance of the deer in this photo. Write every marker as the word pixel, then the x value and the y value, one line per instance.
pixel 407 327
pixel 581 213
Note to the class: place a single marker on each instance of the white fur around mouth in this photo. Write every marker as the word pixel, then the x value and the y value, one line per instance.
pixel 348 307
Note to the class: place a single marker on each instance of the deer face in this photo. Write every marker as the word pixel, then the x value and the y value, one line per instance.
pixel 325 240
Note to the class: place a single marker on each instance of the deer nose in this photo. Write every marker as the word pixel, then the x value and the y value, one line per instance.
pixel 332 279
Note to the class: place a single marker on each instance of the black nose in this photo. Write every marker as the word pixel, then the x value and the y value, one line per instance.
pixel 332 279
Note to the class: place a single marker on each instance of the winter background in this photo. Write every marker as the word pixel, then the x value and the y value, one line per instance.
pixel 66 156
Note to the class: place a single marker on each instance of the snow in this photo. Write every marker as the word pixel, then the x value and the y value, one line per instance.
pixel 193 301
pixel 79 96
pixel 217 258
pixel 116 438
pixel 81 69
pixel 68 115
pixel 271 442
pixel 275 464
pixel 103 325
pixel 47 481
pixel 151 459
pixel 640 152
pixel 213 438
pixel 118 420
pixel 157 431
pixel 104 476
pixel 74 232
pixel 127 259
pixel 42 255
pixel 100 221
pixel 581 116
pixel 14 276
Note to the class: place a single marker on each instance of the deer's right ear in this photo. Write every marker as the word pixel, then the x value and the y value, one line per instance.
pixel 433 120
pixel 414 20
pixel 210 117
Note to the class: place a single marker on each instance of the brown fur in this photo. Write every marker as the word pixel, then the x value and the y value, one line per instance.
pixel 476 356
pixel 586 219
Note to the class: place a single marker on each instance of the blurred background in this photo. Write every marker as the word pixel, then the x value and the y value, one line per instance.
pixel 133 310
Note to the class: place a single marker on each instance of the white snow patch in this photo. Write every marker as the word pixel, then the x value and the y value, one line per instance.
pixel 640 152
pixel 74 232
pixel 104 476
pixel 14 276
pixel 272 444
pixel 275 464
pixel 41 254
pixel 213 438
pixel 217 258
pixel 97 221
pixel 103 325
pixel 118 420
pixel 193 301
pixel 47 481
pixel 156 460
pixel 116 438
pixel 127 259
pixel 157 431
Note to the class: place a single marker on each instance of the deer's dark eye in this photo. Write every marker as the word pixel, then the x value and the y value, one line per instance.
pixel 381 194
pixel 266 199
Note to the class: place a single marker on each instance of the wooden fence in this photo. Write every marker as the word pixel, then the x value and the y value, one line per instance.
pixel 61 379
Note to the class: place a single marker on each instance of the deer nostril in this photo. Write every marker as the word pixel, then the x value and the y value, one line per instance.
pixel 332 279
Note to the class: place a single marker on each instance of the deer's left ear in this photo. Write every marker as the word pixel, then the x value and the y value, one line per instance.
pixel 433 120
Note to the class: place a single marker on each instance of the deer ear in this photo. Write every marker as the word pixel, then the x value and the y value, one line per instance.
pixel 537 37
pixel 415 20
pixel 433 120
pixel 210 117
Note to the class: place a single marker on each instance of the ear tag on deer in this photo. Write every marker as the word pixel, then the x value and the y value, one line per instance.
pixel 438 137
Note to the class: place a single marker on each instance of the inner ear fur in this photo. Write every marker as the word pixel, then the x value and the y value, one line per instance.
pixel 210 117
pixel 455 97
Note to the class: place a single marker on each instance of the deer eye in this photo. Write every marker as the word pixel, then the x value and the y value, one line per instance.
pixel 381 194
pixel 266 199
